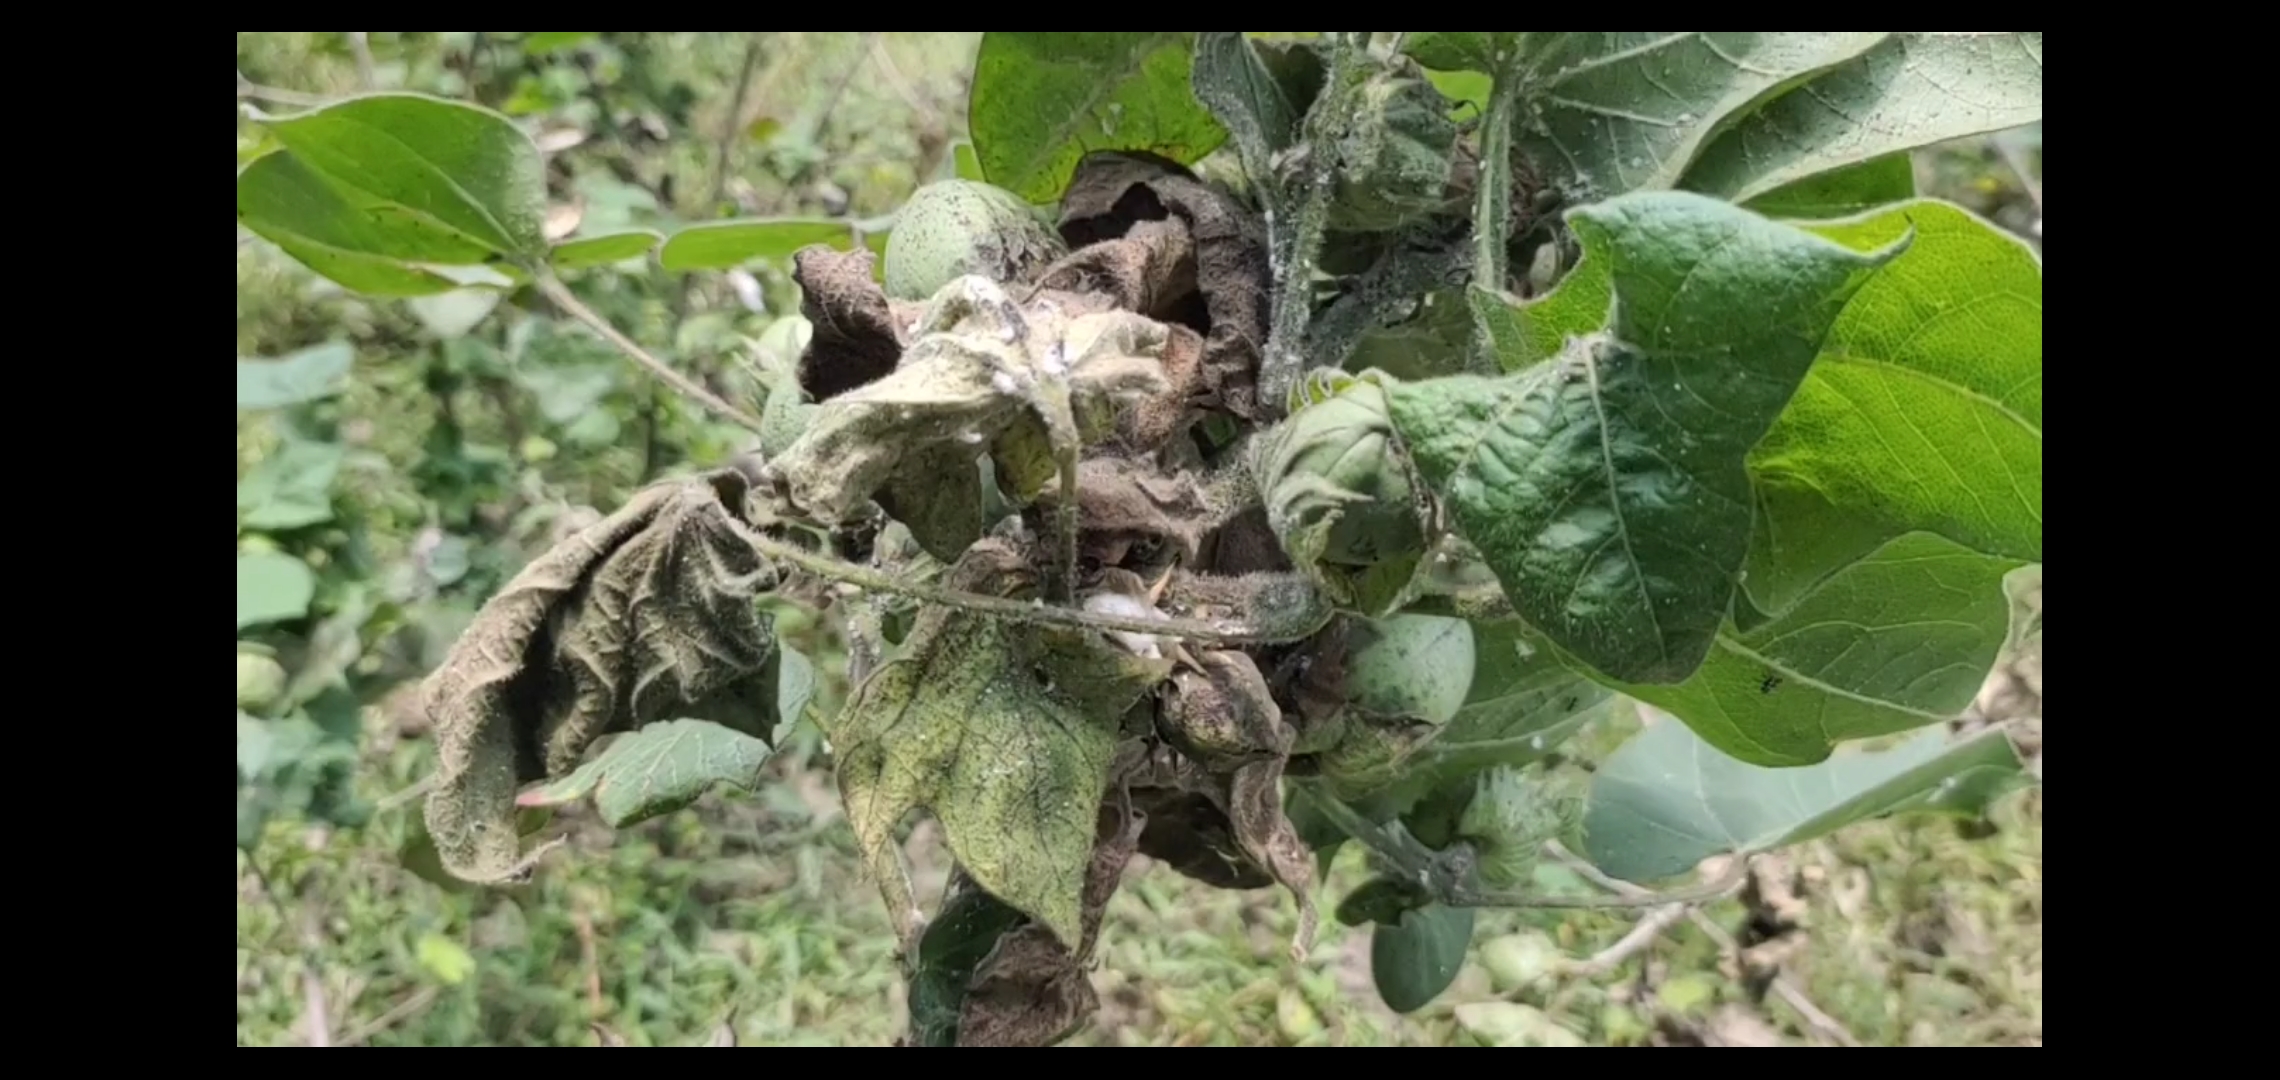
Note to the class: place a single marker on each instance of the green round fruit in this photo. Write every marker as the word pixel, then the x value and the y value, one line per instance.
pixel 951 228
pixel 261 681
pixel 1417 666
pixel 1338 488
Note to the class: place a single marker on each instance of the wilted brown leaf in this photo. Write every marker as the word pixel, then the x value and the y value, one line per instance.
pixel 644 616
pixel 1033 991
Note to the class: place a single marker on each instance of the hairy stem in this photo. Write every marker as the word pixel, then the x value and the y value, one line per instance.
pixel 1223 632
pixel 561 297
pixel 1295 244
pixel 1446 879
pixel 1492 201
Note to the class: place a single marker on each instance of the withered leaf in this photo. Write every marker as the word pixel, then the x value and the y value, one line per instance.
pixel 859 334
pixel 1113 191
pixel 1221 715
pixel 979 364
pixel 1032 990
pixel 971 722
pixel 644 616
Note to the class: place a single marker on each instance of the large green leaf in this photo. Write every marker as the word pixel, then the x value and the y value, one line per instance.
pixel 1842 192
pixel 1606 113
pixel 272 587
pixel 1042 101
pixel 1911 90
pixel 1606 487
pixel 319 371
pixel 724 245
pixel 1923 411
pixel 343 235
pixel 657 770
pixel 456 166
pixel 1667 800
pixel 291 488
pixel 1898 640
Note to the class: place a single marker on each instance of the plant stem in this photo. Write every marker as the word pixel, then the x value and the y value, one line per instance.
pixel 1230 632
pixel 1445 878
pixel 735 125
pixel 1492 201
pixel 561 297
pixel 1295 247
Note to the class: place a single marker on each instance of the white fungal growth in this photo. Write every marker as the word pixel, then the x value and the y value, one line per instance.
pixel 1002 382
pixel 1129 607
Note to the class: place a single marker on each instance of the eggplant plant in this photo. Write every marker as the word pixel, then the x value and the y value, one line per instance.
pixel 1264 445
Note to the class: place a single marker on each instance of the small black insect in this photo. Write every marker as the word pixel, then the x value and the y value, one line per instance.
pixel 1772 682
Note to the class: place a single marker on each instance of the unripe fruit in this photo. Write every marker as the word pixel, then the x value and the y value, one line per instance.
pixel 1337 486
pixel 951 228
pixel 261 681
pixel 1417 666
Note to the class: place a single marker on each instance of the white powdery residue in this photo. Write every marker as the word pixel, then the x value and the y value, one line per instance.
pixel 1002 383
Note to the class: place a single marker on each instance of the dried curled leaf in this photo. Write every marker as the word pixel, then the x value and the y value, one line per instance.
pixel 1221 714
pixel 1032 990
pixel 1005 735
pixel 979 364
pixel 1112 192
pixel 859 334
pixel 644 616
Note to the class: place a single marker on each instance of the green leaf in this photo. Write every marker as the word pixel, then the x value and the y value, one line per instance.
pixel 1923 411
pixel 319 371
pixel 1842 192
pixel 447 960
pixel 724 245
pixel 1042 101
pixel 1896 641
pixel 1667 800
pixel 1606 488
pixel 460 167
pixel 795 688
pixel 1005 739
pixel 342 235
pixel 1243 96
pixel 291 488
pixel 1911 90
pixel 604 249
pixel 656 770
pixel 1416 959
pixel 273 587
pixel 1606 113
pixel 1458 50
pixel 539 43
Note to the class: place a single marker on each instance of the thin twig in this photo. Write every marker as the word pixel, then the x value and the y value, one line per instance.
pixel 575 308
pixel 416 1001
pixel 838 89
pixel 735 125
pixel 360 47
pixel 1219 633
pixel 1433 871
pixel 1783 986
pixel 412 791
pixel 1631 944
pixel 589 961
pixel 895 79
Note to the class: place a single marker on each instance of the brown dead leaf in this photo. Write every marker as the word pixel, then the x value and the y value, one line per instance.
pixel 1030 990
pixel 859 334
pixel 647 615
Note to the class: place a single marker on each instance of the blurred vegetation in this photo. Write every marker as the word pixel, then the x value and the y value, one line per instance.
pixel 423 450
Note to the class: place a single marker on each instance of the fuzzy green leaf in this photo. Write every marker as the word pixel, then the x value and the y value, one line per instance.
pixel 1667 800
pixel 1911 90
pixel 1923 411
pixel 1042 101
pixel 1606 488
pixel 308 375
pixel 657 770
pixel 458 167
pixel 345 236
pixel 724 245
pixel 1899 640
pixel 1607 113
